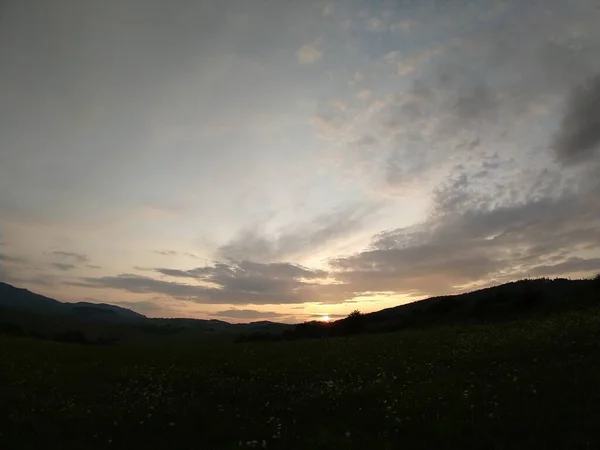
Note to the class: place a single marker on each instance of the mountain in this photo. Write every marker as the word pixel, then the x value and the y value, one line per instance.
pixel 13 297
pixel 498 303
pixel 15 302
pixel 506 302
pixel 22 299
pixel 36 314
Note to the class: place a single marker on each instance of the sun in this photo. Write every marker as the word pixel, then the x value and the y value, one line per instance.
pixel 325 318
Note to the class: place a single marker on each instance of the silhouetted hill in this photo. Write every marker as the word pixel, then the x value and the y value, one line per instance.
pixel 13 297
pixel 35 314
pixel 25 313
pixel 499 303
pixel 510 301
pixel 22 299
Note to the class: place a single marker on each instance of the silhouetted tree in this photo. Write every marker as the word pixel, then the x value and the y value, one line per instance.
pixel 354 323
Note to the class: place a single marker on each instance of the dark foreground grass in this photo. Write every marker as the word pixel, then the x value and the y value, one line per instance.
pixel 523 385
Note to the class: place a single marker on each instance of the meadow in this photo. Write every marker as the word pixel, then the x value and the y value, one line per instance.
pixel 525 384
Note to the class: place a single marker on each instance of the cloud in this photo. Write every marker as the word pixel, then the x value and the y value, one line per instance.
pixel 7 258
pixel 177 273
pixel 481 88
pixel 10 265
pixel 365 94
pixel 243 282
pixel 405 25
pixel 93 266
pixel 408 65
pixel 454 110
pixel 309 54
pixel 220 271
pixel 295 240
pixel 578 137
pixel 472 239
pixel 567 267
pixel 472 236
pixel 143 307
pixel 63 267
pixel 331 316
pixel 166 252
pixel 375 24
pixel 330 126
pixel 70 256
pixel 248 314
pixel 43 280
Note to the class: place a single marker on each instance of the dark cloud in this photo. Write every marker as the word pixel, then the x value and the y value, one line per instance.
pixel 234 282
pixel 92 266
pixel 139 284
pixel 492 80
pixel 220 271
pixel 174 272
pixel 579 134
pixel 70 256
pixel 64 267
pixel 567 267
pixel 248 314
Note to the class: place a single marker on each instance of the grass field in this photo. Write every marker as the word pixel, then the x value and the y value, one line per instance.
pixel 521 385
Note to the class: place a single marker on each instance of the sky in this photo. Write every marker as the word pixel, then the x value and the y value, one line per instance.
pixel 281 160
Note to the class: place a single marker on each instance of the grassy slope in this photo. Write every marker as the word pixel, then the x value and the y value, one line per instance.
pixel 520 385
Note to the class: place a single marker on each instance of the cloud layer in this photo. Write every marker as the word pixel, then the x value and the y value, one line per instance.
pixel 578 137
pixel 315 155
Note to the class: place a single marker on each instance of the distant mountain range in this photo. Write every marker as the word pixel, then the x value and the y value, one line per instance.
pixel 499 303
pixel 18 298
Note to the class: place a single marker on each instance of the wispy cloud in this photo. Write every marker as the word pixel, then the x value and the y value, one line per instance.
pixel 309 54
pixel 166 252
pixel 70 256
pixel 64 267
pixel 291 242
